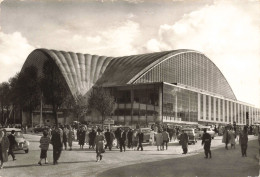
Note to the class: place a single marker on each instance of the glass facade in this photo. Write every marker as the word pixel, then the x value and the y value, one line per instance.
pixel 191 69
pixel 169 103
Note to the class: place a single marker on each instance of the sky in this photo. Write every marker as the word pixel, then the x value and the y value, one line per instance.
pixel 226 31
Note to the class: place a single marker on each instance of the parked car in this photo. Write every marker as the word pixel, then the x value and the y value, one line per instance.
pixel 147 134
pixel 39 128
pixel 200 132
pixel 21 142
pixel 191 134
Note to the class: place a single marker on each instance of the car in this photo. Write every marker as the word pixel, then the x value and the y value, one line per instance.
pixel 21 142
pixel 39 128
pixel 147 134
pixel 210 131
pixel 191 134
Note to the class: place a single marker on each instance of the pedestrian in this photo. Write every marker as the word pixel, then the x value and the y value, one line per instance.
pixel 140 136
pixel 99 142
pixel 166 138
pixel 159 140
pixel 243 140
pixel 44 145
pixel 206 141
pixel 130 138
pixel 232 136
pixel 108 140
pixel 117 135
pixel 92 136
pixel 65 137
pixel 81 137
pixel 225 138
pixel 122 140
pixel 70 137
pixel 56 141
pixel 87 136
pixel 184 139
pixel 12 144
pixel 134 140
pixel 4 146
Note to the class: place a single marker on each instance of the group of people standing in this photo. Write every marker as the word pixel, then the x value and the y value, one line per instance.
pixel 7 144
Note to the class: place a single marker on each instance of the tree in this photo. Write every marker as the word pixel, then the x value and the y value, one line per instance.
pixel 54 88
pixel 4 101
pixel 102 101
pixel 26 90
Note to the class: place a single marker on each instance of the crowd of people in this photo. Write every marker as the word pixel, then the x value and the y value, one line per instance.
pixel 62 137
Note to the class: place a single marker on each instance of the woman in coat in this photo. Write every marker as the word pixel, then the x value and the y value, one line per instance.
pixel 225 138
pixel 4 146
pixel 232 136
pixel 87 137
pixel 70 137
pixel 81 138
pixel 159 140
pixel 99 142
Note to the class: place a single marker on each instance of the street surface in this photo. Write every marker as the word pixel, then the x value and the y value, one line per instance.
pixel 83 162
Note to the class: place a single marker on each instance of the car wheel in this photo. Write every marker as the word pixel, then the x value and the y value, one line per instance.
pixel 26 151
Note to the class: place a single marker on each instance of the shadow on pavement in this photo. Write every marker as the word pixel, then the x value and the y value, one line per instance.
pixel 45 165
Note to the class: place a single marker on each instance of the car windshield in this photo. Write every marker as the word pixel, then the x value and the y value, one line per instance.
pixel 188 131
pixel 146 130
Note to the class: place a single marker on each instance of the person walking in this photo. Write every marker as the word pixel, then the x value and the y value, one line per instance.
pixel 166 138
pixel 81 137
pixel 140 136
pixel 87 136
pixel 243 140
pixel 206 141
pixel 108 139
pixel 70 137
pixel 130 138
pixel 225 138
pixel 232 136
pixel 99 142
pixel 159 140
pixel 117 135
pixel 122 140
pixel 134 140
pixel 184 139
pixel 65 137
pixel 44 145
pixel 12 144
pixel 92 136
pixel 56 141
pixel 4 146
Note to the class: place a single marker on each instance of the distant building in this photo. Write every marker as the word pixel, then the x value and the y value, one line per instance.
pixel 174 87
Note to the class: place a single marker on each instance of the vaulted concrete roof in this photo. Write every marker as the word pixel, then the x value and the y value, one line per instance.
pixel 82 71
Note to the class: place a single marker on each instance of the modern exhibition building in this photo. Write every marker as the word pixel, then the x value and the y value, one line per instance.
pixel 173 87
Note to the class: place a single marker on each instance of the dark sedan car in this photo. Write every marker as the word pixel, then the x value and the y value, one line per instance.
pixel 39 128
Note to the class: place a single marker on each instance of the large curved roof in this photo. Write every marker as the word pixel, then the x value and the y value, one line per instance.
pixel 82 71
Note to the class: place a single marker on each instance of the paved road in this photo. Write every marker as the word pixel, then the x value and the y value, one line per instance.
pixel 83 162
pixel 224 163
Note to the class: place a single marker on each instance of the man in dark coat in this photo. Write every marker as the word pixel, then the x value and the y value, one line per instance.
pixel 184 139
pixel 117 135
pixel 108 140
pixel 92 136
pixel 243 141
pixel 56 141
pixel 122 140
pixel 206 141
pixel 12 144
pixel 129 138
pixel 140 136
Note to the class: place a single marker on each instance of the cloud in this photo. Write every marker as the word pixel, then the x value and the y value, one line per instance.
pixel 228 33
pixel 117 40
pixel 14 49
